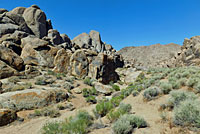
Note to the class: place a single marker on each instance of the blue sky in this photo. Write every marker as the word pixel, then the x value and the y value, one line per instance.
pixel 122 22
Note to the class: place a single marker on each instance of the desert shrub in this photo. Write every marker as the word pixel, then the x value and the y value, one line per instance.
pixel 166 87
pixel 175 84
pixel 115 87
pixel 197 88
pixel 60 75
pixel 122 127
pixel 88 81
pixel 15 88
pixel 178 96
pixel 116 101
pixel 13 79
pixel 47 111
pixel 192 81
pixel 151 93
pixel 78 124
pixel 102 108
pixel 187 113
pixel 135 93
pixel 41 81
pixel 126 123
pixel 115 114
pixel 182 81
pixel 91 99
pixel 89 92
pixel 51 128
pixel 73 125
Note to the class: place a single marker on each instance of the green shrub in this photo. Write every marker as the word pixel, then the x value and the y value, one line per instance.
pixel 89 92
pixel 116 101
pixel 166 87
pixel 51 128
pixel 103 108
pixel 135 93
pixel 115 114
pixel 47 111
pixel 115 87
pixel 197 88
pixel 91 99
pixel 187 113
pixel 126 123
pixel 88 81
pixel 122 127
pixel 192 81
pixel 74 125
pixel 78 124
pixel 175 84
pixel 182 81
pixel 151 93
pixel 178 96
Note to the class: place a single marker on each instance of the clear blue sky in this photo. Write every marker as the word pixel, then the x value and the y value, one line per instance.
pixel 122 22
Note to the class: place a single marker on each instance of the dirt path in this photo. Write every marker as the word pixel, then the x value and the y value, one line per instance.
pixel 148 110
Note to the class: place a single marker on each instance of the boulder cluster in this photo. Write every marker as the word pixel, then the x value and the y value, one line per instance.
pixel 27 40
pixel 188 55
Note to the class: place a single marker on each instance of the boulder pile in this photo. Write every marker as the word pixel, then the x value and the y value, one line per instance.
pixel 27 38
pixel 188 55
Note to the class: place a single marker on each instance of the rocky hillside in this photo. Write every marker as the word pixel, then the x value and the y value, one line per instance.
pixel 148 56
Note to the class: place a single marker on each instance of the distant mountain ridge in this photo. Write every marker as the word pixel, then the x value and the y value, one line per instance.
pixel 148 56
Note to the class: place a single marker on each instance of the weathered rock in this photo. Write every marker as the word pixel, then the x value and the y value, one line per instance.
pixel 32 71
pixel 13 46
pixel 34 53
pixel 103 69
pixel 36 21
pixel 34 42
pixel 108 47
pixel 1 90
pixel 104 89
pixel 7 116
pixel 96 41
pixel 49 25
pixel 2 10
pixel 7 28
pixel 62 61
pixel 11 58
pixel 79 64
pixel 6 71
pixel 83 40
pixel 131 75
pixel 54 36
pixel 18 10
pixel 32 98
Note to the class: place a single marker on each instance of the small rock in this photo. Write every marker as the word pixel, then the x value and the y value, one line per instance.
pixel 7 116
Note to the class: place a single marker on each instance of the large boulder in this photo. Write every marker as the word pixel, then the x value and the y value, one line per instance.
pixel 2 10
pixel 96 41
pixel 54 37
pixel 62 61
pixel 37 52
pixel 18 10
pixel 79 64
pixel 36 21
pixel 11 58
pixel 103 69
pixel 6 71
pixel 7 28
pixel 83 40
pixel 7 116
pixel 32 98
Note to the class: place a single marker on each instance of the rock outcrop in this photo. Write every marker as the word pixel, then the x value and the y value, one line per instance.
pixel 188 55
pixel 28 39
